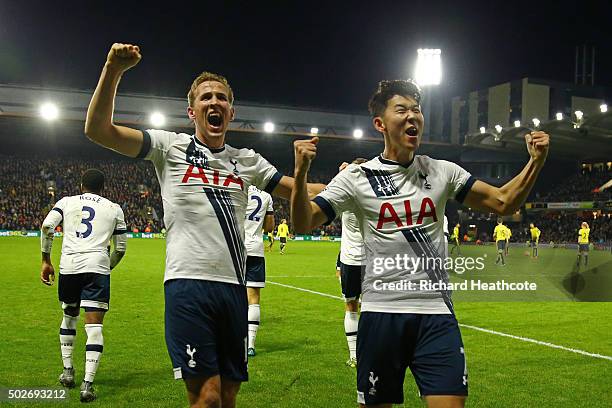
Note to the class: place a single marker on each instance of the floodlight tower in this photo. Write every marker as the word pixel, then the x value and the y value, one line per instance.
pixel 428 73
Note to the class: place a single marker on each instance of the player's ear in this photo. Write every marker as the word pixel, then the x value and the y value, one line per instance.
pixel 232 113
pixel 190 113
pixel 378 124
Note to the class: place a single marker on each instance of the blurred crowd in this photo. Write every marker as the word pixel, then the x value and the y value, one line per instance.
pixel 29 187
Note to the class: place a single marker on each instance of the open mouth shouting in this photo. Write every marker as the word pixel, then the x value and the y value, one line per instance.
pixel 412 131
pixel 214 121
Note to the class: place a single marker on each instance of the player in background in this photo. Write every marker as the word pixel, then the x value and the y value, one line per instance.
pixel 282 234
pixel 90 223
pixel 455 239
pixel 351 260
pixel 508 235
pixel 499 235
pixel 270 240
pixel 583 244
pixel 259 216
pixel 399 200
pixel 446 236
pixel 204 184
pixel 535 239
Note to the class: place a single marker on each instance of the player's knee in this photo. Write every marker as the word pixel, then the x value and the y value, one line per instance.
pixel 352 306
pixel 229 391
pixel 71 311
pixel 206 394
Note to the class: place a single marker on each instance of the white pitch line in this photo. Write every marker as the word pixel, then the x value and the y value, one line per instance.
pixel 525 339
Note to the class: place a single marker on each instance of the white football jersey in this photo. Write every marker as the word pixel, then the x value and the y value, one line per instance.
pixel 204 194
pixel 259 206
pixel 89 222
pixel 400 211
pixel 352 251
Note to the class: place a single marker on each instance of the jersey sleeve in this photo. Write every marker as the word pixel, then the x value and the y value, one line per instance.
pixel 55 216
pixel 459 181
pixel 119 233
pixel 338 195
pixel 270 208
pixel 266 176
pixel 155 145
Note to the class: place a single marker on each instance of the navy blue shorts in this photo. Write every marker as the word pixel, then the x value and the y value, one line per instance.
pixel 91 291
pixel 206 328
pixel 283 240
pixel 534 244
pixel 388 343
pixel 350 279
pixel 501 245
pixel 256 272
pixel 583 247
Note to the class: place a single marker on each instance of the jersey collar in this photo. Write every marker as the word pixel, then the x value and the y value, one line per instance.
pixel 212 149
pixel 394 163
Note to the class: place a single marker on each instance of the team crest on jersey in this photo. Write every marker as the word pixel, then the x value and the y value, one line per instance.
pixel 196 156
pixel 234 163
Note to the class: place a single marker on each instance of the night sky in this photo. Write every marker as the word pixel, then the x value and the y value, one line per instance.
pixel 313 54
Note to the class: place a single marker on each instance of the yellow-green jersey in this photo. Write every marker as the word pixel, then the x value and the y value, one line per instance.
pixel 508 233
pixel 283 231
pixel 583 235
pixel 499 233
pixel 455 233
pixel 535 234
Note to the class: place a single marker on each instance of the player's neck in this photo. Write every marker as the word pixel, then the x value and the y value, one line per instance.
pixel 402 156
pixel 211 142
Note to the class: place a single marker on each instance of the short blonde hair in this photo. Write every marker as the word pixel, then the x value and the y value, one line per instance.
pixel 208 76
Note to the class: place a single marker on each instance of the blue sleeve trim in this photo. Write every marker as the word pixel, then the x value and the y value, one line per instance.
pixel 326 207
pixel 59 210
pixel 146 145
pixel 273 182
pixel 465 189
pixel 119 231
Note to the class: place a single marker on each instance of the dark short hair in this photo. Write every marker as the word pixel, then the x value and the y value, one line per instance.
pixel 359 160
pixel 388 89
pixel 93 180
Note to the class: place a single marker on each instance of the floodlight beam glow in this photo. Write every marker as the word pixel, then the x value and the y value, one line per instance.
pixel 428 70
pixel 314 131
pixel 517 123
pixel 358 133
pixel 49 111
pixel 559 116
pixel 483 130
pixel 603 108
pixel 157 119
pixel 578 114
pixel 498 128
pixel 536 122
pixel 268 127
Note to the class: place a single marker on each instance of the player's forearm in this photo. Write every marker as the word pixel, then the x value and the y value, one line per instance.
pixel 99 121
pixel 301 211
pixel 46 257
pixel 314 189
pixel 115 258
pixel 514 193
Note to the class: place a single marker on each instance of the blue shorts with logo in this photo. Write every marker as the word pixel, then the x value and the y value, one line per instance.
pixel 91 291
pixel 256 272
pixel 206 328
pixel 388 343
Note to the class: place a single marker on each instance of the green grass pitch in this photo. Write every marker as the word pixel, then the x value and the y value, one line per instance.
pixel 301 344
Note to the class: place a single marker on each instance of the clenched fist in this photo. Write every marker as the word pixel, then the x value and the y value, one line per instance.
pixel 537 145
pixel 305 152
pixel 122 57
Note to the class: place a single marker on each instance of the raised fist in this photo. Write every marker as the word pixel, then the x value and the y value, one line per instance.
pixel 122 57
pixel 305 152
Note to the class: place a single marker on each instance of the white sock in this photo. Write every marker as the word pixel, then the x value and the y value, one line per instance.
pixel 66 337
pixel 351 322
pixel 93 350
pixel 254 318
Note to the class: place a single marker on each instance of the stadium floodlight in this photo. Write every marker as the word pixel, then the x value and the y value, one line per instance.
pixel 517 123
pixel 483 130
pixel 49 111
pixel 536 122
pixel 157 119
pixel 498 128
pixel 559 116
pixel 268 127
pixel 314 131
pixel 428 70
pixel 579 114
pixel 357 133
pixel 603 108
